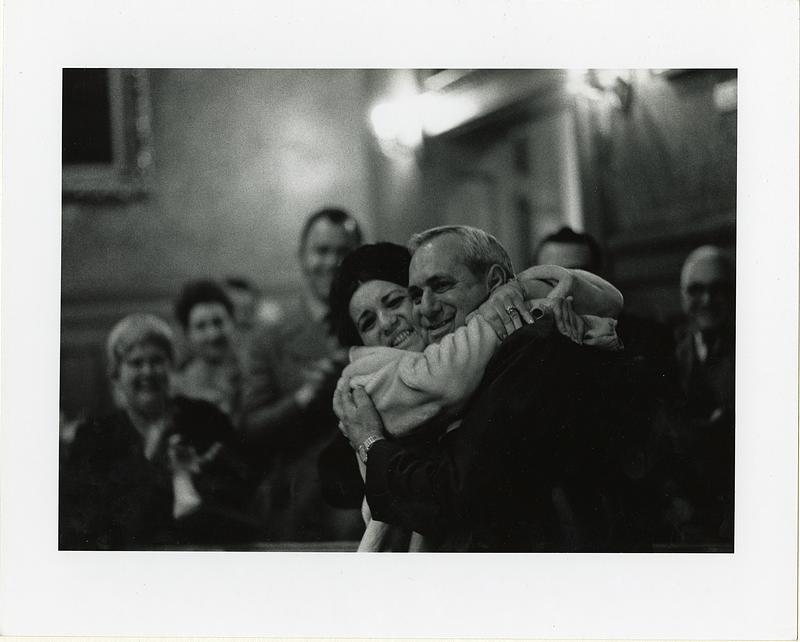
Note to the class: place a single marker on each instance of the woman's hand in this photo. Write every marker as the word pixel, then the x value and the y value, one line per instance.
pixel 358 418
pixel 568 322
pixel 509 307
pixel 543 280
pixel 565 284
pixel 506 310
pixel 591 293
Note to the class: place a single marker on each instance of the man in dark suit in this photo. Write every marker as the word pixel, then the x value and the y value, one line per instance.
pixel 543 459
pixel 705 352
pixel 291 366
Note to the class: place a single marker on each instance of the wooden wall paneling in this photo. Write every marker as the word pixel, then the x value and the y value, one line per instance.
pixel 659 180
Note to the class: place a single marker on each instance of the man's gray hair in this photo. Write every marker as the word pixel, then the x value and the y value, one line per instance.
pixel 480 249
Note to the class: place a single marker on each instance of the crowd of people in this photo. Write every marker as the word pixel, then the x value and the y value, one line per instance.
pixel 426 397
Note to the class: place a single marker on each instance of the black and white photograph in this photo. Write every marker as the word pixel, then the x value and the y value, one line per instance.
pixel 268 339
pixel 525 325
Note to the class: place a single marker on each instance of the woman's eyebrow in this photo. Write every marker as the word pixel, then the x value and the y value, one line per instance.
pixel 385 298
pixel 362 315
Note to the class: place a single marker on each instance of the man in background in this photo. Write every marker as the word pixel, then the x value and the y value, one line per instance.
pixel 705 343
pixel 291 370
pixel 705 352
pixel 570 249
pixel 648 343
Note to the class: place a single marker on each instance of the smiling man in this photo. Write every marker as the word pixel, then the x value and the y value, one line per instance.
pixel 453 270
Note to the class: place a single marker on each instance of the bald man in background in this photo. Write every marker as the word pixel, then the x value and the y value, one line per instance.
pixel 705 353
pixel 705 343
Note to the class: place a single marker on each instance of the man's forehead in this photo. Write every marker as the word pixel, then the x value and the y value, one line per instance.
pixel 569 255
pixel 706 270
pixel 438 256
pixel 324 232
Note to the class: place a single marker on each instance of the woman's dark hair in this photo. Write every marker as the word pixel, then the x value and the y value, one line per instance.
pixel 378 261
pixel 195 292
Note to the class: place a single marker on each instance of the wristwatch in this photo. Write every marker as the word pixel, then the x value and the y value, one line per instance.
pixel 363 449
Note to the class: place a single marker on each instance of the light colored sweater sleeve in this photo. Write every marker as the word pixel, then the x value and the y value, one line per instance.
pixel 410 388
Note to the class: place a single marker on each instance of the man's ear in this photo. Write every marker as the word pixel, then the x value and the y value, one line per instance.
pixel 495 277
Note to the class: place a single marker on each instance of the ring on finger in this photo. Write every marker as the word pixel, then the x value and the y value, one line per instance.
pixel 511 310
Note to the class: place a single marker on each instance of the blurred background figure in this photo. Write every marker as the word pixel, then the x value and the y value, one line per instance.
pixel 704 351
pixel 212 372
pixel 245 297
pixel 570 249
pixel 705 341
pixel 292 368
pixel 66 433
pixel 250 307
pixel 160 471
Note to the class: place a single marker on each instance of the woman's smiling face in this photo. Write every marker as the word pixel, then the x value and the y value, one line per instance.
pixel 381 312
pixel 143 379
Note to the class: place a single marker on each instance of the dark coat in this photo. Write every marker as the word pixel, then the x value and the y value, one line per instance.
pixel 112 497
pixel 546 458
pixel 704 442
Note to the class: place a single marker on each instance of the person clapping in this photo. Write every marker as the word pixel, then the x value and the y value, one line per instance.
pixel 160 471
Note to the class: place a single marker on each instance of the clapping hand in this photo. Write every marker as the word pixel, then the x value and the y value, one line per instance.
pixel 184 462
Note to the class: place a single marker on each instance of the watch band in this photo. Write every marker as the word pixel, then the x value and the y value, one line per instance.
pixel 363 449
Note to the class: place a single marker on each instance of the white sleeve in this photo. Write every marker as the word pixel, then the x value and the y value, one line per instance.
pixel 410 388
pixel 451 369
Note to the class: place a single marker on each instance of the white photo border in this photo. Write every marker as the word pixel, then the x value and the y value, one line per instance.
pixel 751 594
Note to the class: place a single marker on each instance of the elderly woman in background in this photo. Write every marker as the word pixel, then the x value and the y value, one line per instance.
pixel 161 470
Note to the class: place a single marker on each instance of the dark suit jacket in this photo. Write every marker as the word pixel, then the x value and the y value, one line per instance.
pixel 703 471
pixel 543 460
